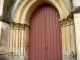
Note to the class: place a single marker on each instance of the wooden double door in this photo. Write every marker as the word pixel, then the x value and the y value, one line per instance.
pixel 45 34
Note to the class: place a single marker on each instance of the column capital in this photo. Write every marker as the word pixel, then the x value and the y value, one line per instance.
pixel 65 22
pixel 72 22
pixel 22 26
pixel 12 25
pixel 17 26
pixel 68 23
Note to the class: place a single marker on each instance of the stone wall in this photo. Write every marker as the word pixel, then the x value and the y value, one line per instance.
pixel 4 33
pixel 76 7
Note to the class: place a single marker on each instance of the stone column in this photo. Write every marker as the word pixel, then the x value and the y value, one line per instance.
pixel 68 40
pixel 18 41
pixel 26 41
pixel 64 45
pixel 10 40
pixel 73 38
pixel 76 7
pixel 17 28
pixel 14 38
pixel 22 40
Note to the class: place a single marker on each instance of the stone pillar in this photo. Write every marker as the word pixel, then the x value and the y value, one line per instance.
pixel 77 33
pixel 22 39
pixel 26 42
pixel 73 38
pixel 64 45
pixel 14 38
pixel 66 41
pixel 4 33
pixel 10 40
pixel 68 38
pixel 18 41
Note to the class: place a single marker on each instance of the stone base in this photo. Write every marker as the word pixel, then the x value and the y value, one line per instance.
pixel 16 58
pixel 6 57
pixel 69 58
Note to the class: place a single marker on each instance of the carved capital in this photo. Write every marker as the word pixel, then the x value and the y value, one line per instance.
pixel 72 22
pixel 68 23
pixel 17 26
pixel 12 26
pixel 22 26
pixel 63 23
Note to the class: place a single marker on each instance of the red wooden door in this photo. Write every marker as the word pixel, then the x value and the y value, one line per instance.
pixel 45 34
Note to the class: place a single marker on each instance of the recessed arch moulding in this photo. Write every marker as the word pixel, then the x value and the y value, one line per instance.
pixel 23 9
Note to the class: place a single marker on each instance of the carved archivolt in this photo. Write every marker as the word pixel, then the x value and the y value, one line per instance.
pixel 23 9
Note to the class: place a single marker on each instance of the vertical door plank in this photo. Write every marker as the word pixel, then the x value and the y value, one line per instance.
pixel 45 34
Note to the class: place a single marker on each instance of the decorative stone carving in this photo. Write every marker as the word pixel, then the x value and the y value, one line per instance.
pixel 16 39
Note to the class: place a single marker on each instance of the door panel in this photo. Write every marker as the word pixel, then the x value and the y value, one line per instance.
pixel 45 34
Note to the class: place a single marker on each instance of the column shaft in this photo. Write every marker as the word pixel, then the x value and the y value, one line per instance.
pixel 64 48
pixel 68 40
pixel 73 39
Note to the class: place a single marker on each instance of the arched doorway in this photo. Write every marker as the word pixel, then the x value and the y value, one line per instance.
pixel 45 34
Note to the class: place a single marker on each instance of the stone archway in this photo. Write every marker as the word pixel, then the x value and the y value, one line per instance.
pixel 25 8
pixel 20 28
